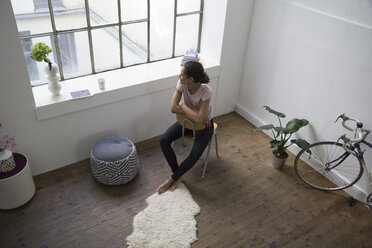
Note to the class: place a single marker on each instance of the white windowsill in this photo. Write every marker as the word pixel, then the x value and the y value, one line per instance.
pixel 120 84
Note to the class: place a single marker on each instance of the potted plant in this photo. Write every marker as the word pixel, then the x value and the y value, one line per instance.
pixel 282 137
pixel 39 53
pixel 16 183
pixel 7 162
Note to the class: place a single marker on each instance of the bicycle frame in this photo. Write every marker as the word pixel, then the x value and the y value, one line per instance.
pixel 361 157
pixel 360 153
pixel 345 155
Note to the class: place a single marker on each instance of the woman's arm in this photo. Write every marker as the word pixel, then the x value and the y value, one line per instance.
pixel 197 116
pixel 175 108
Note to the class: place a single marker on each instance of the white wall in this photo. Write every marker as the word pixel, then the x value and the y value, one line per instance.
pixel 309 61
pixel 60 141
pixel 213 26
pixel 238 16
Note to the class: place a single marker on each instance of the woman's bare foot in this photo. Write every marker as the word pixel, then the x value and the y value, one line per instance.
pixel 165 186
pixel 175 184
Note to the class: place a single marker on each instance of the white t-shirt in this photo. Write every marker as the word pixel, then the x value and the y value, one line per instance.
pixel 195 100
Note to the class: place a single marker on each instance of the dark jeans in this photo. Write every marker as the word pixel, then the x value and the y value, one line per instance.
pixel 202 138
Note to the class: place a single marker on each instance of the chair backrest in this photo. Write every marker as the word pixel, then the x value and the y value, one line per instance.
pixel 188 125
pixel 215 126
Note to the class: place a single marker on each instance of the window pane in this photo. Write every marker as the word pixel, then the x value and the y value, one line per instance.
pixel 75 56
pixel 106 48
pixel 184 6
pixel 31 19
pixel 187 33
pixel 133 10
pixel 36 69
pixel 57 4
pixel 134 43
pixel 103 12
pixel 161 29
pixel 30 63
pixel 70 14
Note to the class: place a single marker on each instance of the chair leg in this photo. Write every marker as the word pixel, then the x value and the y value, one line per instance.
pixel 209 149
pixel 206 158
pixel 215 137
pixel 183 136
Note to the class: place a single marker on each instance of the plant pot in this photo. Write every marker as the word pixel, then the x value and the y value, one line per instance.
pixel 53 76
pixel 7 162
pixel 278 162
pixel 17 187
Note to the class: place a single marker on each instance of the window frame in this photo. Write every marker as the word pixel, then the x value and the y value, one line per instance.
pixel 31 64
pixel 119 24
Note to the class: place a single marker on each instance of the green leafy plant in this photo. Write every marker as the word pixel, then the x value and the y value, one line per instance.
pixel 40 52
pixel 283 134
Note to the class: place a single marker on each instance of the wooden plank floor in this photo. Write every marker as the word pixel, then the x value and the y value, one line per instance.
pixel 244 202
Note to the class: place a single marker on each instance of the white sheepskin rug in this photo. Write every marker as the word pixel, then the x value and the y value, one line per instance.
pixel 167 221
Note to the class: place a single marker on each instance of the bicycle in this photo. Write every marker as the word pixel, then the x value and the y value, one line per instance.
pixel 331 166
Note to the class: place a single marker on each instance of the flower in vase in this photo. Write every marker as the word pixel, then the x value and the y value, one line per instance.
pixel 7 141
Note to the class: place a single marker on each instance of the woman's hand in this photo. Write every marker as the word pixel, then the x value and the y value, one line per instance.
pixel 179 110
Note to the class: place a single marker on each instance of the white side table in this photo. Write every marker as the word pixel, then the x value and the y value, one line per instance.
pixel 17 186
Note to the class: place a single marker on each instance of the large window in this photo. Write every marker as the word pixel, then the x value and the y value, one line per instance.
pixel 92 36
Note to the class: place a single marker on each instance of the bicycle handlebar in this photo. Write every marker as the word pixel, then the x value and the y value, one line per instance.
pixel 359 136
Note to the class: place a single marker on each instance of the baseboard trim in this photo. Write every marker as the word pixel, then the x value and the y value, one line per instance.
pixel 248 116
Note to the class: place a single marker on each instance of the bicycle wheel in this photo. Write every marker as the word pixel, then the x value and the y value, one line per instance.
pixel 320 168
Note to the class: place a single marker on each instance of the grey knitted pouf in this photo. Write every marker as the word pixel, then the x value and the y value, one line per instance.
pixel 114 161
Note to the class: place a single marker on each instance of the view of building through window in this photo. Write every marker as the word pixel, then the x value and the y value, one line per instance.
pixel 100 35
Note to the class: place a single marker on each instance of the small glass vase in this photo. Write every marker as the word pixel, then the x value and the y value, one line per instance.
pixel 7 162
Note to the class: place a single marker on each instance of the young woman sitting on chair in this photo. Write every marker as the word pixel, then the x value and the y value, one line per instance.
pixel 192 85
